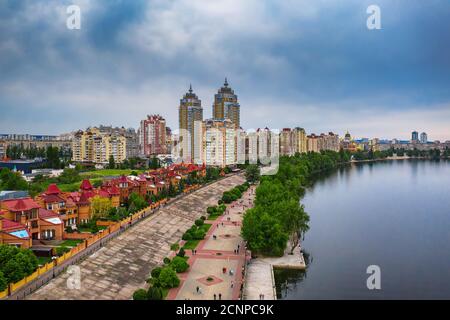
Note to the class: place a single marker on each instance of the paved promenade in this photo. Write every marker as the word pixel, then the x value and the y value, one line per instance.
pixel 123 264
pixel 214 253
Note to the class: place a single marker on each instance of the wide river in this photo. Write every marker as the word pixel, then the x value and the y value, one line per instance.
pixel 392 214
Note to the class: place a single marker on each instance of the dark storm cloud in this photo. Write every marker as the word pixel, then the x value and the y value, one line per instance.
pixel 282 57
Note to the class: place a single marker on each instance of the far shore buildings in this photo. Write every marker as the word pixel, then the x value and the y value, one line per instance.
pixel 328 141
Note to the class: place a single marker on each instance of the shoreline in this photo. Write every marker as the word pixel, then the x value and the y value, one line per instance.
pixel 396 158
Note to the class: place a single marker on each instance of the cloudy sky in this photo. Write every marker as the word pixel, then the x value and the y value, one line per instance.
pixel 292 63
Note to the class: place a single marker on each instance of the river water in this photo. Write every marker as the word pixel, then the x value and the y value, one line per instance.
pixel 392 214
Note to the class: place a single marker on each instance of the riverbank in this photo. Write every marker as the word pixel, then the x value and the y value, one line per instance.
pixel 396 158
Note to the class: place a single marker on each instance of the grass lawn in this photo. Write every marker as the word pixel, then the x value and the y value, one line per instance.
pixel 71 243
pixel 213 217
pixel 108 172
pixel 44 260
pixel 205 227
pixel 81 229
pixel 191 244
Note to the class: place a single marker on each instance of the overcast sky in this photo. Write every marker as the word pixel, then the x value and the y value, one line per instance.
pixel 311 63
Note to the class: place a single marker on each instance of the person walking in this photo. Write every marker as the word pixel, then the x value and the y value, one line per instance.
pixel 198 289
pixel 220 296
pixel 215 296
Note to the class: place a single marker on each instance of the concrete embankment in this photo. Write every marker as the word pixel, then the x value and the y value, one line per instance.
pixel 260 281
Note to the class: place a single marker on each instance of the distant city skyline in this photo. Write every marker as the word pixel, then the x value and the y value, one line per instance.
pixel 291 63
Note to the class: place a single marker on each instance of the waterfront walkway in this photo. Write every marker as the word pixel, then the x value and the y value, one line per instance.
pixel 123 264
pixel 217 253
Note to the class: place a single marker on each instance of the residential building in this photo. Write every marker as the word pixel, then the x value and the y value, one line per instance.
pixel 24 220
pixel 423 138
pixel 226 105
pixel 97 146
pixel 152 136
pixel 287 147
pixel 3 147
pixel 219 142
pixel 33 141
pixel 312 142
pixel 190 118
pixel 168 140
pixel 299 140
pixel 329 141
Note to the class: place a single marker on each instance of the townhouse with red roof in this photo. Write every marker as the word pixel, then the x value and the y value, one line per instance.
pixel 23 220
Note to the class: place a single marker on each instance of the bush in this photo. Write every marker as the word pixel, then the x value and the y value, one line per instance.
pixel 181 253
pixel 166 260
pixel 69 229
pixel 155 293
pixel 211 210
pixel 156 272
pixel 140 294
pixel 220 202
pixel 203 218
pixel 168 278
pixel 187 236
pixel 174 247
pixel 199 222
pixel 179 264
pixel 227 198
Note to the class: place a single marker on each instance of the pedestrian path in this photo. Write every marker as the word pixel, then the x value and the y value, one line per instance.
pixel 218 264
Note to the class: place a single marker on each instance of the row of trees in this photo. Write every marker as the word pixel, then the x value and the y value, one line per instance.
pixel 277 217
pixel 56 158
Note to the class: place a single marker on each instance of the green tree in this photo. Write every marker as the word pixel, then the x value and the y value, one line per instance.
pixel 52 156
pixel 12 180
pixel 179 264
pixel 252 173
pixel 112 162
pixel 100 207
pixel 16 263
pixel 3 282
pixel 264 233
pixel 168 278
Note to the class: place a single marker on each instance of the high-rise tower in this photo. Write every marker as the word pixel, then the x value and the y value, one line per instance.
pixel 190 118
pixel 226 105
